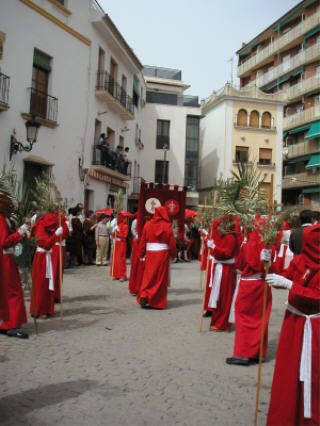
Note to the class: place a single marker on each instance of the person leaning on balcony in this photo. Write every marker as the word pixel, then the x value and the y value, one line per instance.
pixel 295 242
pixel 102 241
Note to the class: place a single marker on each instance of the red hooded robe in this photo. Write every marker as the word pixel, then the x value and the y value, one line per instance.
pixel 118 268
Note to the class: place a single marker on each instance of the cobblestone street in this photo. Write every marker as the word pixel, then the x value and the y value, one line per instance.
pixel 109 362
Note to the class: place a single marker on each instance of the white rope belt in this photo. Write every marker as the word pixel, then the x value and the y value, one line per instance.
pixel 49 272
pixel 215 282
pixel 156 247
pixel 8 250
pixel 120 239
pixel 305 360
pixel 231 318
pixel 252 277
pixel 63 243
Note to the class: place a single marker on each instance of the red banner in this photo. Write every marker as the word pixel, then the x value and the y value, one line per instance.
pixel 154 195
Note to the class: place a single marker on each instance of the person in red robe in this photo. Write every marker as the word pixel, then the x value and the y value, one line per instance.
pixel 11 278
pixel 295 393
pixel 157 245
pixel 249 302
pixel 118 265
pixel 223 248
pixel 47 233
pixel 137 264
pixel 283 254
pixel 56 256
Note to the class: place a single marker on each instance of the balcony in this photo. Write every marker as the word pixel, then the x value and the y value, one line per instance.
pixel 303 87
pixel 4 92
pixel 301 117
pixel 266 166
pixel 109 160
pixel 299 180
pixel 283 42
pixel 44 107
pixel 303 57
pixel 301 149
pixel 110 92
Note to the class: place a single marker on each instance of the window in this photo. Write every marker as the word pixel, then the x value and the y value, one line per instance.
pixel 161 171
pixel 163 134
pixel 266 120
pixel 265 156
pixel 254 119
pixel 101 72
pixel 242 154
pixel 113 77
pixel 135 91
pixel 40 78
pixel 162 98
pixel 242 117
pixel 192 153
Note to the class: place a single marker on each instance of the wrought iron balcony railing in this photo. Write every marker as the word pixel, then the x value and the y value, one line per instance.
pixel 4 89
pixel 43 105
pixel 106 82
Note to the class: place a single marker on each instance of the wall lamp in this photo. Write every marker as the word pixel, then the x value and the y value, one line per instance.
pixel 32 127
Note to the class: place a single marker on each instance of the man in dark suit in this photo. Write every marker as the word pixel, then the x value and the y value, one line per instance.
pixel 295 242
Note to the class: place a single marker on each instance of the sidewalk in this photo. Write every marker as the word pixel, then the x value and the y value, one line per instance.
pixel 109 362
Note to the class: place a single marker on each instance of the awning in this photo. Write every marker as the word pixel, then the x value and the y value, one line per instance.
pixel 299 129
pixel 299 160
pixel 311 190
pixel 284 134
pixel 247 49
pixel 284 78
pixel 313 162
pixel 314 131
pixel 38 160
pixel 310 34
pixel 136 86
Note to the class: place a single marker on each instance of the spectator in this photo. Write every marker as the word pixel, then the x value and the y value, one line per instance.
pixel 76 236
pixel 89 241
pixel 102 241
pixel 81 216
pixel 125 156
pixel 295 243
pixel 315 218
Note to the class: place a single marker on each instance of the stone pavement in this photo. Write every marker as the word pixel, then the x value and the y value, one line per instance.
pixel 109 362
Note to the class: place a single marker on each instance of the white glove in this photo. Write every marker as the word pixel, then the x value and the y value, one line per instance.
pixel 211 244
pixel 23 230
pixel 204 231
pixel 275 280
pixel 265 255
pixel 59 231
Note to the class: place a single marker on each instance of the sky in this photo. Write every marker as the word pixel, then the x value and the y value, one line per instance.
pixel 199 37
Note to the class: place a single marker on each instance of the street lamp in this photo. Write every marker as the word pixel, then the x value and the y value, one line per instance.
pixel 165 148
pixel 32 128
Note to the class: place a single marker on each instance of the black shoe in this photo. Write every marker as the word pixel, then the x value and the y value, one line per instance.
pixel 256 360
pixel 143 302
pixel 57 300
pixel 207 314
pixel 17 332
pixel 234 360
pixel 3 331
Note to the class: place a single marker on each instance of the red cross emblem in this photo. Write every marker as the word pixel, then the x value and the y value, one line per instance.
pixel 172 207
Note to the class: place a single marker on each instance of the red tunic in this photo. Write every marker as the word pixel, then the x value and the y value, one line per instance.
pixel 287 393
pixel 4 305
pixel 249 301
pixel 225 251
pixel 56 258
pixel 43 298
pixel 155 280
pixel 118 267
pixel 11 277
pixel 136 270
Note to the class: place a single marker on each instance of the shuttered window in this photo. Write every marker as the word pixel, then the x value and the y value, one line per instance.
pixel 265 156
pixel 266 120
pixel 242 117
pixel 242 154
pixel 254 119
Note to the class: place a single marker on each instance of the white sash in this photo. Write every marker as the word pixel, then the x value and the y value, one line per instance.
pixel 306 359
pixel 231 318
pixel 49 272
pixel 215 283
pixel 63 243
pixel 156 247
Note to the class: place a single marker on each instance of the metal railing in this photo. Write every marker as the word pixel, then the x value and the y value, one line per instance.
pixel 110 160
pixel 301 148
pixel 43 105
pixel 4 88
pixel 266 166
pixel 301 117
pixel 298 180
pixel 284 40
pixel 107 83
pixel 305 55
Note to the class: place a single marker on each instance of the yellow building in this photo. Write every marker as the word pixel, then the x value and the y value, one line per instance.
pixel 241 126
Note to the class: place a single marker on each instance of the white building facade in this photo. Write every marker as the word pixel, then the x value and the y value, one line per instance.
pixel 66 63
pixel 171 123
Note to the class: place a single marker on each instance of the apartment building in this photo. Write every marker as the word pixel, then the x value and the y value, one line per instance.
pixel 171 123
pixel 241 126
pixel 285 58
pixel 65 62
